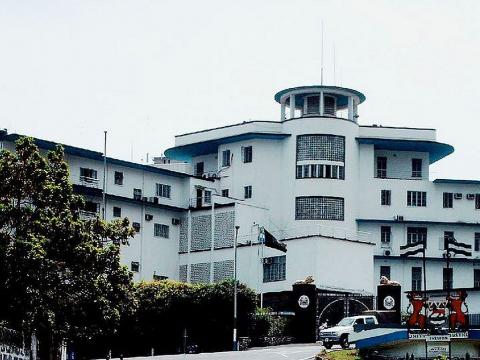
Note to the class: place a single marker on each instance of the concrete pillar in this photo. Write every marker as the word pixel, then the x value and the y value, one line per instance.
pixel 282 111
pixel 322 106
pixel 350 108
pixel 292 106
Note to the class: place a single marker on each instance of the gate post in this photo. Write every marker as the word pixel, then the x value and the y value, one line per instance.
pixel 305 304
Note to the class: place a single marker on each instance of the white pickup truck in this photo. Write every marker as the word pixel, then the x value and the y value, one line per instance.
pixel 338 334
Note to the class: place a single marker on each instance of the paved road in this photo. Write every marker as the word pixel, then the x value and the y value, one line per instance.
pixel 283 352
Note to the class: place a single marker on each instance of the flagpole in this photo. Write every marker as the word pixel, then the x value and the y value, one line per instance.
pixel 425 293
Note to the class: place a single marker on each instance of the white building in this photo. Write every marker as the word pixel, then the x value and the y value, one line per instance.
pixel 344 197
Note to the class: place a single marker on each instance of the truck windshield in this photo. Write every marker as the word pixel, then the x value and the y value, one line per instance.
pixel 346 322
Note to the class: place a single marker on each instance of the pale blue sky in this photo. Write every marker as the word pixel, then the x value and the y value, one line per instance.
pixel 147 70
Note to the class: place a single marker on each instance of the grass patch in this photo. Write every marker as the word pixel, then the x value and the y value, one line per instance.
pixel 338 355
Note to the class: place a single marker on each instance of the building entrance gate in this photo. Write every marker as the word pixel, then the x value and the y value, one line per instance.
pixel 334 306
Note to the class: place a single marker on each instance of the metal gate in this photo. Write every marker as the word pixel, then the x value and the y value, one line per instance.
pixel 334 306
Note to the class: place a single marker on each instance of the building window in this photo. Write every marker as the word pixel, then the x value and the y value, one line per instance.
pixel 319 208
pixel 312 104
pixel 160 230
pixel 385 271
pixel 136 226
pixel 447 278
pixel 248 192
pixel 416 198
pixel 199 168
pixel 208 197
pixel 477 241
pixel 134 266
pixel 416 278
pixel 416 234
pixel 118 178
pixel 274 268
pixel 477 201
pixel 447 235
pixel 386 197
pixel 329 105
pixel 247 154
pixel 320 171
pixel 226 158
pixel 225 192
pixel 476 278
pixel 417 168
pixel 385 234
pixel 163 190
pixel 381 167
pixel 117 212
pixel 447 200
pixel 88 175
pixel 137 194
pixel 321 147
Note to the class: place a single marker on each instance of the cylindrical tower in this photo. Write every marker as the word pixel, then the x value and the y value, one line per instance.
pixel 323 154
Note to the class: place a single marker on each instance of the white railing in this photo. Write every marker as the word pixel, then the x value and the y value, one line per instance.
pixel 89 181
pixel 400 174
pixel 86 215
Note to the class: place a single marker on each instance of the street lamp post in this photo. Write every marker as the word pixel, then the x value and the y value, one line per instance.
pixel 235 342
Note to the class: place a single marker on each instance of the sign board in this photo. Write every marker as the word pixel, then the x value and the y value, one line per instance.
pixel 439 338
pixel 437 349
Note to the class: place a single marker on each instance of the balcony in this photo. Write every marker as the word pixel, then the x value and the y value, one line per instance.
pixel 87 215
pixel 89 181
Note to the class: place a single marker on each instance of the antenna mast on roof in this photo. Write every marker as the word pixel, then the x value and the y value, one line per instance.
pixel 321 72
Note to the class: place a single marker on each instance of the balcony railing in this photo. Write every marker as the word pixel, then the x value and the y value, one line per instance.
pixel 89 181
pixel 87 215
pixel 399 174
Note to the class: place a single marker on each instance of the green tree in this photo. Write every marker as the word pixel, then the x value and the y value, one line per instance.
pixel 61 275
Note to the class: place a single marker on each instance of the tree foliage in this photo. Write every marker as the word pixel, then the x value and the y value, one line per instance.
pixel 167 308
pixel 61 275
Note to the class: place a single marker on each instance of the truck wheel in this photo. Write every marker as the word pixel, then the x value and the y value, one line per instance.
pixel 327 346
pixel 344 341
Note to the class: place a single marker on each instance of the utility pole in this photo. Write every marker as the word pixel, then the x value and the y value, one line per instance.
pixel 235 342
pixel 104 198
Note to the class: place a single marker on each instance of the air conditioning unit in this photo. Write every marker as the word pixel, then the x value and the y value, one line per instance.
pixel 398 218
pixel 151 199
pixel 457 196
pixel 136 226
pixel 175 221
pixel 214 175
pixel 155 199
pixel 387 252
pixel 470 196
pixel 144 198
pixel 148 217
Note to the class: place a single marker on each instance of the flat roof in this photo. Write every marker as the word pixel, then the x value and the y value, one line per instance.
pixel 457 181
pixel 94 155
pixel 314 88
pixel 185 152
pixel 436 150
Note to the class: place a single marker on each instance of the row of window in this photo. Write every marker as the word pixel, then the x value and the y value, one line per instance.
pixel 320 171
pixel 247 156
pixel 91 175
pixel 417 277
pixel 419 233
pixel 159 230
pixel 416 168
pixel 419 198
